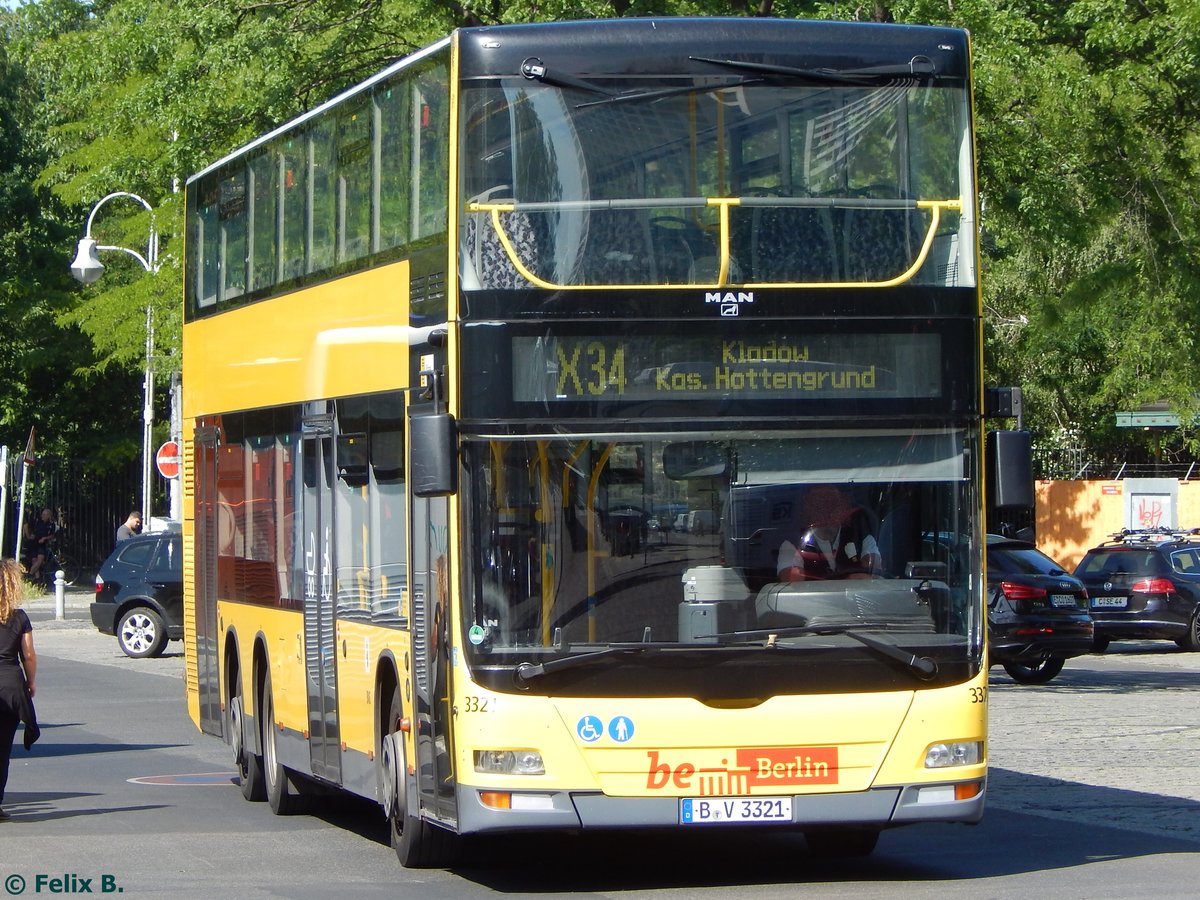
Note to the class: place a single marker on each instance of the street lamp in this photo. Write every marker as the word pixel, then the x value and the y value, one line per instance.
pixel 87 268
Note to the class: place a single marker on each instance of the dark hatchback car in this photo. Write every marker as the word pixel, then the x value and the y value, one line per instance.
pixel 1145 584
pixel 1037 613
pixel 139 594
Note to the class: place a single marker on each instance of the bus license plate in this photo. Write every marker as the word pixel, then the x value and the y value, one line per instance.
pixel 1118 602
pixel 724 810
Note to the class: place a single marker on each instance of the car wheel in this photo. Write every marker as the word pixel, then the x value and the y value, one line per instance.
pixel 141 633
pixel 1099 644
pixel 1192 640
pixel 1035 673
pixel 282 795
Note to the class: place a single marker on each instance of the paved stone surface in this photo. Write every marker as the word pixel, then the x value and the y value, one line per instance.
pixel 1112 740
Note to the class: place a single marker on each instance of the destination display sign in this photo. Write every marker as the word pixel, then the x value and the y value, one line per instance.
pixel 549 368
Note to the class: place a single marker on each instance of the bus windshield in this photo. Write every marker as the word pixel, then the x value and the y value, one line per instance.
pixel 727 178
pixel 753 541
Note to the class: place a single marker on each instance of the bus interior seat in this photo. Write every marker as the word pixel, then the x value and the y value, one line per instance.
pixel 486 263
pixel 672 249
pixel 792 244
pixel 880 244
pixel 618 248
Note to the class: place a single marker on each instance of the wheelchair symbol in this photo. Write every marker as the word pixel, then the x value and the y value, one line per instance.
pixel 590 729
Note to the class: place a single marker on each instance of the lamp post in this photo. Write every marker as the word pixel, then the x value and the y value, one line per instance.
pixel 87 268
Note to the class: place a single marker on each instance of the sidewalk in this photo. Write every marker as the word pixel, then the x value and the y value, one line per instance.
pixel 77 600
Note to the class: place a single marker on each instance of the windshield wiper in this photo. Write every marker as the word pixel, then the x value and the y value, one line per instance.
pixel 918 65
pixel 535 70
pixel 921 666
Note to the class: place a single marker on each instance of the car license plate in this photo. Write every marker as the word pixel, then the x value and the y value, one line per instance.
pixel 725 810
pixel 1109 602
pixel 1061 600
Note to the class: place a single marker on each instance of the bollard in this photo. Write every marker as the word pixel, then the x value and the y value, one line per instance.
pixel 60 590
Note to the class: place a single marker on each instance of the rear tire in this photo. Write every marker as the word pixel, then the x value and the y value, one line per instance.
pixel 249 764
pixel 1036 673
pixel 141 633
pixel 1099 644
pixel 418 844
pixel 282 795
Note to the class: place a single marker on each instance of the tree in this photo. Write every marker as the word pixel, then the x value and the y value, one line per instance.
pixel 47 374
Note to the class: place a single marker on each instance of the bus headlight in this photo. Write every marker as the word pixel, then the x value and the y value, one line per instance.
pixel 509 762
pixel 954 753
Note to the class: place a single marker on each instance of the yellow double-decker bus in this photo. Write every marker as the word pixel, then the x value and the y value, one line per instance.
pixel 584 428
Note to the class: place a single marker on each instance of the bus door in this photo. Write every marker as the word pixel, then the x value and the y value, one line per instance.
pixel 204 558
pixel 431 655
pixel 320 658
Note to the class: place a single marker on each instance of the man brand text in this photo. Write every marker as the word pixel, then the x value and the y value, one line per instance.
pixel 769 769
pixel 729 297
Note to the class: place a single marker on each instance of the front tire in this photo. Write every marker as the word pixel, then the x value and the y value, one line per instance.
pixel 1035 673
pixel 141 633
pixel 418 844
pixel 1192 640
pixel 282 795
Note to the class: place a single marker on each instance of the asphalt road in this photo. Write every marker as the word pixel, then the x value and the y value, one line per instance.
pixel 1093 793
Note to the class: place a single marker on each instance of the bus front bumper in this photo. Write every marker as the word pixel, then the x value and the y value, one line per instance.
pixel 881 807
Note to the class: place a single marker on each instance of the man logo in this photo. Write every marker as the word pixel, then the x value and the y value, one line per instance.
pixel 729 309
pixel 729 297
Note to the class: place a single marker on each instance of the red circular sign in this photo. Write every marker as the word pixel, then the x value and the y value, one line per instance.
pixel 167 460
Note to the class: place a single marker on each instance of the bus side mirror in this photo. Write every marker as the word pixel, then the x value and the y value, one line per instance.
pixel 433 455
pixel 1010 468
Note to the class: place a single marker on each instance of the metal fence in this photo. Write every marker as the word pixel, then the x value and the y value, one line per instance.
pixel 1079 465
pixel 90 506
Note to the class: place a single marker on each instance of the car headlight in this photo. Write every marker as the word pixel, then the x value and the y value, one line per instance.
pixel 953 753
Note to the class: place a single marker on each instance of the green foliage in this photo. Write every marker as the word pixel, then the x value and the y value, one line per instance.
pixel 1088 160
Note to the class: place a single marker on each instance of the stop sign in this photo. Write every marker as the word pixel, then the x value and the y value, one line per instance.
pixel 167 460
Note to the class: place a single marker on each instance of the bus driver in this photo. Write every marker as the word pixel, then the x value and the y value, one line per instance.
pixel 833 541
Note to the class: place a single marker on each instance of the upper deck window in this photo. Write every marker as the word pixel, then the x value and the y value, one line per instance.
pixel 336 192
pixel 817 183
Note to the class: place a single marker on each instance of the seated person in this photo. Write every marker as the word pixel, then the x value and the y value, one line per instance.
pixel 833 541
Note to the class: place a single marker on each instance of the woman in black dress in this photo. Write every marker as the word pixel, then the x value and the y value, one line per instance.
pixel 18 669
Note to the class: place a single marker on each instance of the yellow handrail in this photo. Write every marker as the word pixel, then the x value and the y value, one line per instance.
pixel 723 205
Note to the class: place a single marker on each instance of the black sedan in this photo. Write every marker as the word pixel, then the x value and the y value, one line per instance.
pixel 1037 613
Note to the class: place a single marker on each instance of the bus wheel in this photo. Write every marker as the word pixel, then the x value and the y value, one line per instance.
pixel 249 764
pixel 841 842
pixel 418 844
pixel 282 795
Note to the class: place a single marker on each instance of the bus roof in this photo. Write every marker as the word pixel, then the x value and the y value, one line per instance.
pixel 617 46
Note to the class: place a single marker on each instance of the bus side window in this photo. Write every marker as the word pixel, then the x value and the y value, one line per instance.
pixel 391 110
